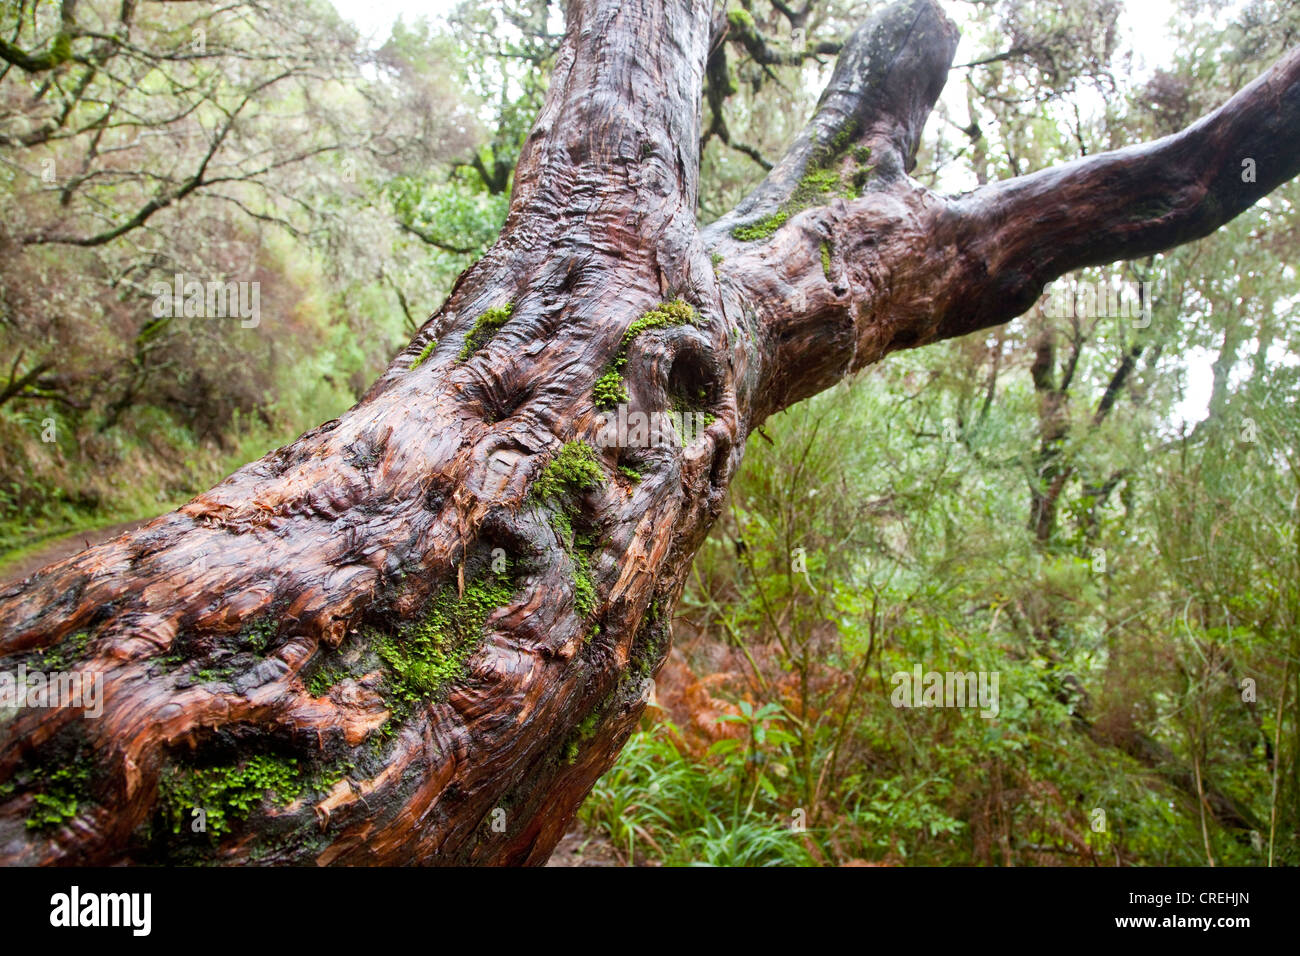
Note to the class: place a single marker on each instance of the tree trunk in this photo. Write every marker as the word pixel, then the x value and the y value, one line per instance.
pixel 422 631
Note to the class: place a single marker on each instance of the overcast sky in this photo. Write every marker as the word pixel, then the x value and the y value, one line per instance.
pixel 1145 19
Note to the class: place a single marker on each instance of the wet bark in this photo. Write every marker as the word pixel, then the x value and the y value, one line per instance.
pixel 265 649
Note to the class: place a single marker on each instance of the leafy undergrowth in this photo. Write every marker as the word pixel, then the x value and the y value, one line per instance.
pixel 658 805
pixel 782 738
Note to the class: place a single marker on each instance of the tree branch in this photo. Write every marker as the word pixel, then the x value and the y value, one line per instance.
pixel 885 84
pixel 745 33
pixel 1017 235
pixel 60 48
pixel 848 268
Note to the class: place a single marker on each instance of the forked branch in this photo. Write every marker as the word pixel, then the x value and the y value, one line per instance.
pixel 849 259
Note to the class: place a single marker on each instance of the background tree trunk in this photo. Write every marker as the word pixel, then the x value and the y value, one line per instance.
pixel 421 632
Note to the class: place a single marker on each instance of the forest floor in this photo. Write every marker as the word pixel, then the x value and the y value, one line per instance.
pixel 582 846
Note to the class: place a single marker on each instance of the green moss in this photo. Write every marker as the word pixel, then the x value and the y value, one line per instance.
pixel 60 50
pixel 861 174
pixel 574 475
pixel 430 654
pixel 563 525
pixel 661 316
pixel 648 645
pixel 631 474
pixel 821 178
pixel 817 182
pixel 843 138
pixel 740 19
pixel 813 189
pixel 574 469
pixel 814 185
pixel 424 354
pixel 579 472
pixel 584 586
pixel 610 389
pixel 319 683
pixel 683 405
pixel 324 778
pixel 60 794
pixel 215 675
pixel 585 730
pixel 61 655
pixel 227 793
pixel 731 85
pixel 487 326
pixel 762 229
pixel 257 635
pixel 351 660
pixel 826 259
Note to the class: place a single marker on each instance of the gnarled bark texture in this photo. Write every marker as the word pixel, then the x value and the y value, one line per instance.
pixel 421 632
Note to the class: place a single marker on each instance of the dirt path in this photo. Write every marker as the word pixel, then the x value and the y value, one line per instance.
pixel 583 847
pixel 61 548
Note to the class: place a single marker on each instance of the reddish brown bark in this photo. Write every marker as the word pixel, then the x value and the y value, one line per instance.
pixel 209 624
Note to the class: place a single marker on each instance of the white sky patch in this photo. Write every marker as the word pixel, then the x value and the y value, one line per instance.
pixel 1144 20
pixel 375 18
pixel 1198 383
pixel 1146 23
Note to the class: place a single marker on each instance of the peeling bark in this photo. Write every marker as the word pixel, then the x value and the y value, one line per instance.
pixel 433 662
